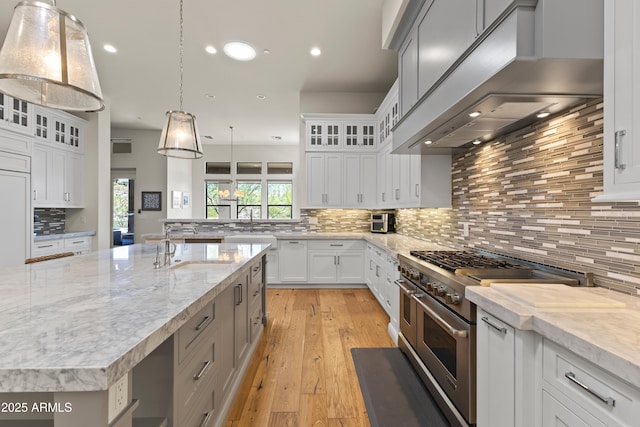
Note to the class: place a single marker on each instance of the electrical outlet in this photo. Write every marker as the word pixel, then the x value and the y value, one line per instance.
pixel 118 397
pixel 465 229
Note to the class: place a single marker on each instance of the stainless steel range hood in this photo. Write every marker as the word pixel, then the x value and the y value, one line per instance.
pixel 541 58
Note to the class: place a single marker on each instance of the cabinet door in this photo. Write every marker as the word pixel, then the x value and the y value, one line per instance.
pixel 315 179
pixel 495 372
pixel 39 172
pixel 241 313
pixel 292 259
pixel 74 172
pixel 415 175
pixel 351 180
pixel 15 114
pixel 322 267
pixel 333 179
pixel 400 178
pixel 56 179
pixel 368 178
pixel 622 127
pixel 272 267
pixel 350 267
pixel 446 30
pixel 408 63
pixel 489 10
pixel 225 308
pixel 14 187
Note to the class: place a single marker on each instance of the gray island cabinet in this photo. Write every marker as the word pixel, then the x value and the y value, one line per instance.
pixel 107 340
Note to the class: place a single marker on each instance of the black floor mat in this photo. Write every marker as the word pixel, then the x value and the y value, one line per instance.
pixel 393 393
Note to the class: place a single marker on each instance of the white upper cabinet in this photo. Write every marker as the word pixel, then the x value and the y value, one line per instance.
pixel 388 115
pixel 58 129
pixel 15 114
pixel 621 101
pixel 359 180
pixel 341 132
pixel 324 179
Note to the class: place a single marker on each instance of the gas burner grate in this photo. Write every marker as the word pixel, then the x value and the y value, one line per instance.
pixel 453 260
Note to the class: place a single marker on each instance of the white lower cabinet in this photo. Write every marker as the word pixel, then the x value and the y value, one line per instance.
pixel 381 272
pixel 507 373
pixel 77 245
pixel 272 268
pixel 584 394
pixel 524 379
pixel 292 260
pixel 336 261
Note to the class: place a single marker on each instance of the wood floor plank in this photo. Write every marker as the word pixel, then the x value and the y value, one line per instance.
pixel 302 373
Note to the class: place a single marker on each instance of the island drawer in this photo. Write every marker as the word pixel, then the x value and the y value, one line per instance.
pixel 205 409
pixel 196 378
pixel 256 272
pixel 336 245
pixel 255 322
pixel 605 396
pixel 196 326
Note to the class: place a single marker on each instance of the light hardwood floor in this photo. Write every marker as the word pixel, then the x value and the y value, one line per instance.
pixel 303 374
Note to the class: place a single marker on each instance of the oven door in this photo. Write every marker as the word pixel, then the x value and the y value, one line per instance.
pixel 408 306
pixel 445 343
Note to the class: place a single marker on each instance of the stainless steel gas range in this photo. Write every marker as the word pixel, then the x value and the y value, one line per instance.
pixel 438 324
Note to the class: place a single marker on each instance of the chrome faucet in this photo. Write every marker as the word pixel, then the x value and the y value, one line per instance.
pixel 169 246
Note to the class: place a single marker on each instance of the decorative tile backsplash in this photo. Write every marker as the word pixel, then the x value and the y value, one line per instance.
pixel 528 195
pixel 48 221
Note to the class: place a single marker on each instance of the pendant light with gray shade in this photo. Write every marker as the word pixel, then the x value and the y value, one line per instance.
pixel 46 59
pixel 180 137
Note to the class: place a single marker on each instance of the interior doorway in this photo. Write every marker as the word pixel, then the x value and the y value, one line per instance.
pixel 122 207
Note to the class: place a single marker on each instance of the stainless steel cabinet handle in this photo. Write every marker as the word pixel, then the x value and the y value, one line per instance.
pixel 377 269
pixel 336 244
pixel 452 331
pixel 202 324
pixel 610 401
pixel 384 196
pixel 199 375
pixel 206 419
pixel 294 243
pixel 44 246
pixel 35 194
pixel 494 326
pixel 417 190
pixel 403 288
pixel 397 194
pixel 617 150
pixel 338 259
pixel 238 294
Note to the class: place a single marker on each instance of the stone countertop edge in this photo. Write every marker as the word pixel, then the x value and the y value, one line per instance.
pixel 69 235
pixel 607 337
pixel 173 296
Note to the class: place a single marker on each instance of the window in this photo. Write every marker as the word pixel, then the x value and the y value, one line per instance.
pixel 249 168
pixel 279 199
pixel 218 168
pixel 250 199
pixel 216 206
pixel 282 168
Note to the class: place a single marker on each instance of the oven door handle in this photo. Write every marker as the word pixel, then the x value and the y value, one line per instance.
pixel 443 323
pixel 403 288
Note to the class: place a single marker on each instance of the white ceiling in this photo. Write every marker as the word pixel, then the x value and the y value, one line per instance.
pixel 142 79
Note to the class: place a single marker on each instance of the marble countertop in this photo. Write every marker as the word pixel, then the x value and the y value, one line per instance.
pixel 80 323
pixel 607 337
pixel 63 236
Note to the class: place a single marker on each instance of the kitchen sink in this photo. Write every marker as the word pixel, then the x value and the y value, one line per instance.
pixel 252 238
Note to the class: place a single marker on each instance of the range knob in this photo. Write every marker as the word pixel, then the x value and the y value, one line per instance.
pixel 431 286
pixel 414 274
pixel 453 299
pixel 440 290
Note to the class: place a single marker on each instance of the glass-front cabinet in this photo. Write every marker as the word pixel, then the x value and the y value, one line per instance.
pixel 15 114
pixel 341 132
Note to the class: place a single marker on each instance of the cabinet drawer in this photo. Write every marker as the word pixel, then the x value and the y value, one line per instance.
pixel 47 247
pixel 254 295
pixel 575 376
pixel 196 326
pixel 336 245
pixel 204 411
pixel 256 272
pixel 195 378
pixel 77 242
pixel 255 321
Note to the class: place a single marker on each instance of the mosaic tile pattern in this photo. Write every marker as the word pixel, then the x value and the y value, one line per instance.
pixel 48 221
pixel 528 195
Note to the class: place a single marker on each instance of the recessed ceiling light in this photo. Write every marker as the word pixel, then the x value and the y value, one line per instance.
pixel 211 96
pixel 210 49
pixel 240 51
pixel 543 114
pixel 476 142
pixel 428 142
pixel 315 51
pixel 474 114
pixel 110 48
pixel 261 96
pixel 266 51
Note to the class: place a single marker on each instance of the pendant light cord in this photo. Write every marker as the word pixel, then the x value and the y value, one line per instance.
pixel 181 54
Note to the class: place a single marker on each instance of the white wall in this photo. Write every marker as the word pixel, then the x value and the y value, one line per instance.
pixel 151 175
pixel 243 153
pixel 179 179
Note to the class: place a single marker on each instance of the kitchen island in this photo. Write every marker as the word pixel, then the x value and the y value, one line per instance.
pixel 86 340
